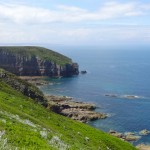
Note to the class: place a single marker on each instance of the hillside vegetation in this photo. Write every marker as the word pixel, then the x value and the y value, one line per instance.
pixel 27 125
pixel 41 52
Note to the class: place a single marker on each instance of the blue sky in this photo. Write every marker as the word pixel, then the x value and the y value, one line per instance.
pixel 75 22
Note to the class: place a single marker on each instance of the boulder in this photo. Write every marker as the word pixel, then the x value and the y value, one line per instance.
pixel 143 147
pixel 116 134
pixel 144 132
pixel 132 138
pixel 83 72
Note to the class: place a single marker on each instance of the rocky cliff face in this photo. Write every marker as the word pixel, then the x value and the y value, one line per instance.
pixel 33 65
pixel 25 88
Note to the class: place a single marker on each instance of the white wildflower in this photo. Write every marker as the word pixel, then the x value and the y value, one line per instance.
pixel 57 143
pixel 3 120
pixel 1 134
pixel 43 134
pixel 5 142
pixel 87 139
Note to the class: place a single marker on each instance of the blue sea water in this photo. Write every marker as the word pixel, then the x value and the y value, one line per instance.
pixel 110 71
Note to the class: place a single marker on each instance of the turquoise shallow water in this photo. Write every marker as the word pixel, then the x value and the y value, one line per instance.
pixel 122 72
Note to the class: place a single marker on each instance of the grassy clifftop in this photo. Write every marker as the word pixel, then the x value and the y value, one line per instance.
pixel 41 52
pixel 27 125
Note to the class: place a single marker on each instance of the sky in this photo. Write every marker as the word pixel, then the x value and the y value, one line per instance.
pixel 75 22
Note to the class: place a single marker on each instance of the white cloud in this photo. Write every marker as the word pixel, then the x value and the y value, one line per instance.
pixel 102 35
pixel 27 24
pixel 26 14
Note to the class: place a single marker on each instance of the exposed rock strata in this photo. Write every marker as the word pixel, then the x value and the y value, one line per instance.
pixel 80 111
pixel 27 64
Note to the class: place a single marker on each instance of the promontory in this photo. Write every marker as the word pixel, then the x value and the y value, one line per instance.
pixel 36 61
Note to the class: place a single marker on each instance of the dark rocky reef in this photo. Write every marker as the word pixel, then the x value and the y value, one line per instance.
pixel 83 72
pixel 36 61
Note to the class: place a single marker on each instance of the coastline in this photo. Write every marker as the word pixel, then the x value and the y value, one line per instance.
pixel 73 109
pixel 67 106
pixel 81 111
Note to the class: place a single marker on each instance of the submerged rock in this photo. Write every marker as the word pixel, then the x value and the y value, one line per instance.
pixel 130 96
pixel 123 96
pixel 111 95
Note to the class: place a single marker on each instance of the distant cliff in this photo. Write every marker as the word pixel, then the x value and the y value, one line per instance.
pixel 36 61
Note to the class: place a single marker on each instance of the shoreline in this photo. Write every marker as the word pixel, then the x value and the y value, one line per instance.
pixel 73 109
pixel 82 111
pixel 67 106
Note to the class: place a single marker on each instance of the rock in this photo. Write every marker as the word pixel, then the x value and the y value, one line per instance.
pixel 36 61
pixel 111 95
pixel 123 96
pixel 132 138
pixel 25 88
pixel 116 134
pixel 80 111
pixel 130 96
pixel 144 132
pixel 82 115
pixel 143 147
pixel 83 72
pixel 128 136
pixel 58 99
pixel 129 133
pixel 112 131
pixel 35 80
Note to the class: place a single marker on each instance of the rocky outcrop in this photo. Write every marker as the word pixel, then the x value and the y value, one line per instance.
pixel 143 147
pixel 80 111
pixel 25 88
pixel 129 136
pixel 144 132
pixel 35 61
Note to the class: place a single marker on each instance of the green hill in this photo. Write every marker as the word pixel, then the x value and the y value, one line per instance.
pixel 36 61
pixel 25 124
pixel 40 52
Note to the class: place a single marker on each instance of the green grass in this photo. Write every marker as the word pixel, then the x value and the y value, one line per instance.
pixel 40 52
pixel 28 125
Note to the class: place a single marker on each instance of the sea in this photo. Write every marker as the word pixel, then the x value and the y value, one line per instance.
pixel 124 72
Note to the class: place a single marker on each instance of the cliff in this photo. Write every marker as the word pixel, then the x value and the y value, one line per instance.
pixel 36 61
pixel 26 125
pixel 23 87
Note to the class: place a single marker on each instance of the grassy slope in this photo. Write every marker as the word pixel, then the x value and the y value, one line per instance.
pixel 41 52
pixel 30 126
